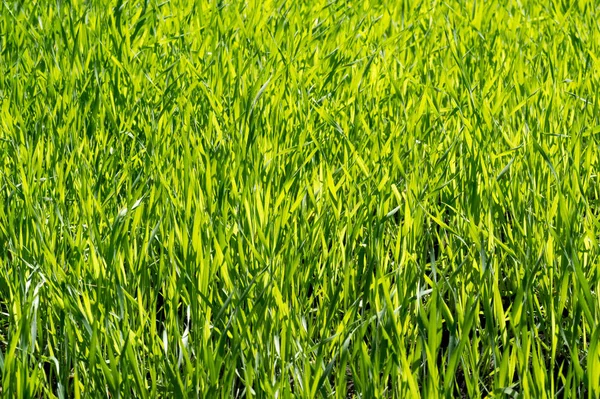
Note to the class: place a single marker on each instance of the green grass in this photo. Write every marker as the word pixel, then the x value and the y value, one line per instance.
pixel 299 198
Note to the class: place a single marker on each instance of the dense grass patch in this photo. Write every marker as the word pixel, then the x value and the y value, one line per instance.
pixel 299 198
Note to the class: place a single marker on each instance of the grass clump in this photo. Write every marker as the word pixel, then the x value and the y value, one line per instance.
pixel 299 198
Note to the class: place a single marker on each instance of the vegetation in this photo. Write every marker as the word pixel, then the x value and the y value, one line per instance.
pixel 299 198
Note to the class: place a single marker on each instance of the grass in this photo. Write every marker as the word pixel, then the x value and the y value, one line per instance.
pixel 299 198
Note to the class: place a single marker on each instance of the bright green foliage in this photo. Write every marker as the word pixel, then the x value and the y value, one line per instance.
pixel 299 198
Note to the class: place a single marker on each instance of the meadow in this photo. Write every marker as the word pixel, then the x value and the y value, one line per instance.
pixel 307 199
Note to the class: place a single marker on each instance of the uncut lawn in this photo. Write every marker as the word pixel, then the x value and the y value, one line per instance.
pixel 299 199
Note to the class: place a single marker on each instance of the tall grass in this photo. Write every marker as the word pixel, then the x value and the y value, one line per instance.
pixel 299 198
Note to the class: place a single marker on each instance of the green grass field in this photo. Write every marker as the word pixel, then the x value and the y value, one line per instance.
pixel 293 198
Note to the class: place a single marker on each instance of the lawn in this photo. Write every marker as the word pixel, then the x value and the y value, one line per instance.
pixel 299 199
